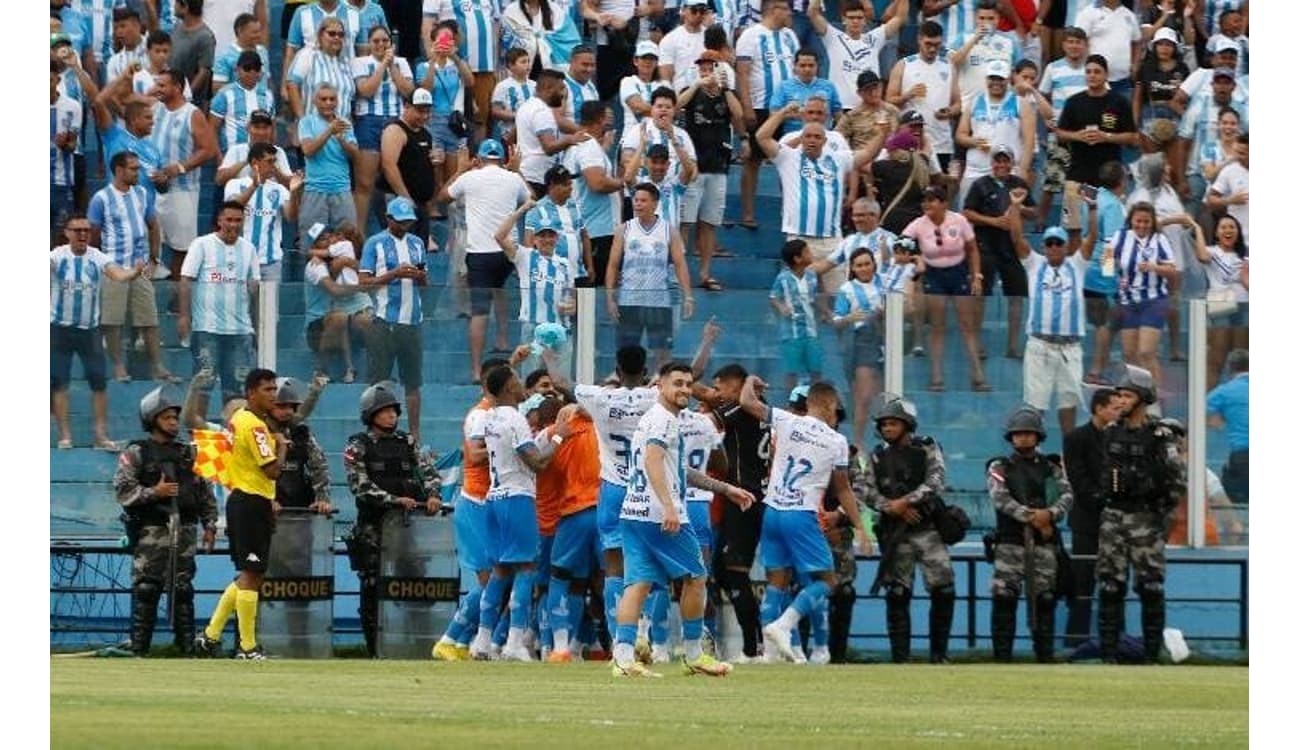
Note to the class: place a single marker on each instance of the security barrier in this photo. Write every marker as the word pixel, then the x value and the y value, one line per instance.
pixel 419 583
pixel 296 616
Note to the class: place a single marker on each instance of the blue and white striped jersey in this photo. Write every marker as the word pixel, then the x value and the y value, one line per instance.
pixel 879 241
pixel 510 94
pixel 1216 8
pixel 1056 305
pixel 1200 122
pixel 306 22
pixel 223 67
pixel 65 117
pixel 506 434
pixel 544 281
pixel 671 191
pixel 361 20
pixel 398 301
pixel 220 299
pixel 812 191
pixel 958 21
pixel 173 136
pixel 579 94
pixel 855 295
pixel 1131 250
pixel 74 286
pixel 772 55
pixel 569 218
pixel 798 294
pixel 643 278
pixel 233 104
pixel 144 81
pixel 99 17
pixel 311 68
pixel 1060 81
pixel 117 64
pixel 123 221
pixel 477 21
pixel 387 100
pixel 263 216
pixel 600 211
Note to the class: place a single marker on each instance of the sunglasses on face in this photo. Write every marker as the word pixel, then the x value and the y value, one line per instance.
pixel 938 238
pixel 1052 243
pixel 334 33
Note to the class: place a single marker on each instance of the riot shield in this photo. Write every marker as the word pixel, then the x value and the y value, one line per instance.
pixel 295 618
pixel 419 583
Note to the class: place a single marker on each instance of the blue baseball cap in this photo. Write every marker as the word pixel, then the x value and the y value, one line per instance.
pixel 799 394
pixel 532 403
pixel 491 149
pixel 1056 233
pixel 401 209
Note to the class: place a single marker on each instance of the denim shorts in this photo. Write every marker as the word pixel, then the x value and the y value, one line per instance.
pixel 442 135
pixel 369 130
pixel 1148 313
pixel 953 281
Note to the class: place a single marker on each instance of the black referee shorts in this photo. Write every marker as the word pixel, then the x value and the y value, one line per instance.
pixel 740 532
pixel 249 525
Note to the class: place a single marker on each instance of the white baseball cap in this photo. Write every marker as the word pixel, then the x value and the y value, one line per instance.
pixel 421 98
pixel 1165 34
pixel 998 68
pixel 647 48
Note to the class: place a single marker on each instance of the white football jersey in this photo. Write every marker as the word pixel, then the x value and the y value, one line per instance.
pixel 663 428
pixel 616 412
pixel 807 451
pixel 700 436
pixel 506 433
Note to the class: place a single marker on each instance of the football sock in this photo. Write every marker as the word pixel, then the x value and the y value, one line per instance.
pixel 521 598
pixel 811 597
pixel 691 631
pixel 557 605
pixel 490 604
pixel 773 603
pixel 657 607
pixel 225 605
pixel 246 606
pixel 613 592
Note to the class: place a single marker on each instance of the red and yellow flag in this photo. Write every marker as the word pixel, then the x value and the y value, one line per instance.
pixel 212 455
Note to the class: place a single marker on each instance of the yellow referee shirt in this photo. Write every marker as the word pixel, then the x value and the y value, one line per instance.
pixel 254 447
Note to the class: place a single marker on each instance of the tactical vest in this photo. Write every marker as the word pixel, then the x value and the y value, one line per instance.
pixel 1027 480
pixel 293 488
pixel 392 465
pixel 1134 478
pixel 899 469
pixel 175 461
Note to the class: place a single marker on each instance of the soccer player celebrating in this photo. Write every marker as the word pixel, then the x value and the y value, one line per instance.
pixel 658 543
pixel 810 458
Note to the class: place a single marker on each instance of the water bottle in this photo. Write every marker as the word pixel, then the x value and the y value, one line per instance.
pixel 1108 260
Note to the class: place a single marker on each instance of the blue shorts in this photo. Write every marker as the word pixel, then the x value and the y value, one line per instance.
pixel 577 545
pixel 517 538
pixel 698 512
pixel 609 504
pixel 793 539
pixel 947 282
pixel 369 131
pixel 801 355
pixel 442 135
pixel 652 556
pixel 1238 319
pixel 1148 313
pixel 544 558
pixel 474 542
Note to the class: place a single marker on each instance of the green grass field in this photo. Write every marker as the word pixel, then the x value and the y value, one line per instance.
pixel 105 703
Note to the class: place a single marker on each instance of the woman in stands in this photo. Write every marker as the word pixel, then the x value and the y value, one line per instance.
pixel 1144 264
pixel 1229 275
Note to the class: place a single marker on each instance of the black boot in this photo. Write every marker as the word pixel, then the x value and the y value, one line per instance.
pixel 183 618
pixel 841 618
pixel 941 603
pixel 740 592
pixel 1153 623
pixel 898 621
pixel 1003 626
pixel 369 612
pixel 1110 618
pixel 144 613
pixel 1045 632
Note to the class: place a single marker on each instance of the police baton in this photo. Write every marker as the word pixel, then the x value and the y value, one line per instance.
pixel 1030 593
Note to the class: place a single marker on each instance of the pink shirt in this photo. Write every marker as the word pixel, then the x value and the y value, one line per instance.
pixel 946 247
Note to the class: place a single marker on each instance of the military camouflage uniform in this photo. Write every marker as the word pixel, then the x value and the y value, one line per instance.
pixel 1019 485
pixel 914 472
pixel 381 468
pixel 840 538
pixel 148 520
pixel 1145 477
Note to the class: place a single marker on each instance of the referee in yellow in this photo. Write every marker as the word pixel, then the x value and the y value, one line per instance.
pixel 258 454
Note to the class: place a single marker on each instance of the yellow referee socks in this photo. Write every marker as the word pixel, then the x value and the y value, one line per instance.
pixel 246 605
pixel 225 605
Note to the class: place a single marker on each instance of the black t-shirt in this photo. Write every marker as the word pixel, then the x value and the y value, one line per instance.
pixel 413 163
pixel 891 177
pixel 990 197
pixel 1111 113
pixel 708 123
pixel 1158 86
pixel 747 444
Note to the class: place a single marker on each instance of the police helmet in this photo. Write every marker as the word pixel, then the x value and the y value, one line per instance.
pixel 1174 426
pixel 1128 377
pixel 1025 419
pixel 153 404
pixel 287 391
pixel 378 396
pixel 896 407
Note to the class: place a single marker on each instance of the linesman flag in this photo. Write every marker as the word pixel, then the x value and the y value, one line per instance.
pixel 212 456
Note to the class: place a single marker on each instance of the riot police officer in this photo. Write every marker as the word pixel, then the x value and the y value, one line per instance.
pixel 903 480
pixel 162 500
pixel 1031 494
pixel 1143 479
pixel 385 470
pixel 304 480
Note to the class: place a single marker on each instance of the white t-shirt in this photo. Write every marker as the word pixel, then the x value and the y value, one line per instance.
pixel 238 154
pixel 490 193
pixel 220 15
pixel 506 434
pixel 1111 34
pixel 533 120
pixel 1234 179
pixel 807 452
pixel 472 429
pixel 700 436
pixel 633 86
pixel 1224 271
pixel 662 428
pixel 681 48
pixel 848 57
pixel 616 412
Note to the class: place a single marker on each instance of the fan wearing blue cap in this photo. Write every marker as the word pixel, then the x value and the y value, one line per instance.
pixel 1053 363
pixel 546 282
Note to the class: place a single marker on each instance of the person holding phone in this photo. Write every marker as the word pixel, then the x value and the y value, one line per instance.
pixel 1095 124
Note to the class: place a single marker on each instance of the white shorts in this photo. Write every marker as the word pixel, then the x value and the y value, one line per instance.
pixel 178 218
pixel 822 248
pixel 1053 368
pixel 705 199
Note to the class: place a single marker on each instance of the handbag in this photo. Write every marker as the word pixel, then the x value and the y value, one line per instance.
pixel 1221 301
pixel 456 120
